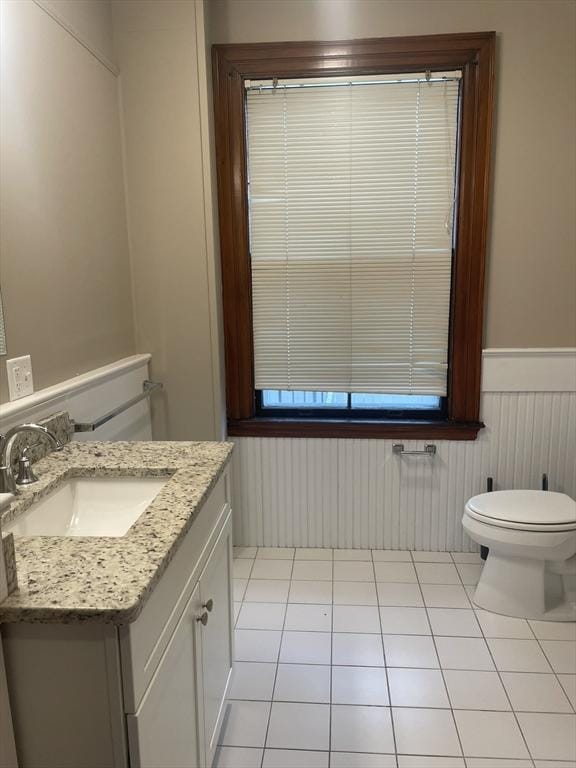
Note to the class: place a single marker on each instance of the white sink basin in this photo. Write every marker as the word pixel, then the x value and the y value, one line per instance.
pixel 95 506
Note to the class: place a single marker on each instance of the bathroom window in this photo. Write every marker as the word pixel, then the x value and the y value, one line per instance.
pixel 352 189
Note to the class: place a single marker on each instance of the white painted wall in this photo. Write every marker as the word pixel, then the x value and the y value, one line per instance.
pixel 357 493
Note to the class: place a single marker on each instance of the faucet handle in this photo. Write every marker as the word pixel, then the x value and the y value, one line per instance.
pixel 26 475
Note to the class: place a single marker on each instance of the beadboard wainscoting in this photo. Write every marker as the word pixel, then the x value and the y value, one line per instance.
pixel 310 492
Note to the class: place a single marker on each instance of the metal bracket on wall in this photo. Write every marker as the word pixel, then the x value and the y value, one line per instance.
pixel 429 450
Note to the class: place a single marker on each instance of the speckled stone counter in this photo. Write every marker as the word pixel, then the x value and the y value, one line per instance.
pixel 81 579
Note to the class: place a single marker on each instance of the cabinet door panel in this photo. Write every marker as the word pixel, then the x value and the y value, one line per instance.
pixel 164 730
pixel 216 636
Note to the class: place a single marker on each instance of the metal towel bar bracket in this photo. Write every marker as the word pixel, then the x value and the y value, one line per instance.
pixel 148 387
pixel 429 450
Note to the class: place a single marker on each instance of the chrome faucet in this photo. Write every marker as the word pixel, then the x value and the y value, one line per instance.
pixel 7 481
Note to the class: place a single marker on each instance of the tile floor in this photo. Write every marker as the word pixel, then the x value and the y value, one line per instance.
pixel 379 659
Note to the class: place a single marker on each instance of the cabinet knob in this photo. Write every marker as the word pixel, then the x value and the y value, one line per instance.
pixel 209 604
pixel 203 619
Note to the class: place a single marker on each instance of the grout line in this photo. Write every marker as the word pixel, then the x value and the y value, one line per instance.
pixel 551 667
pixel 498 672
pixel 387 680
pixel 442 673
pixel 331 669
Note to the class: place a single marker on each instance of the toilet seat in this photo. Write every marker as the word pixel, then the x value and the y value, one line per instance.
pixel 541 511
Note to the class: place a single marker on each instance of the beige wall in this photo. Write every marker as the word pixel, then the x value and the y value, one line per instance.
pixel 531 278
pixel 64 265
pixel 160 45
pixel 90 20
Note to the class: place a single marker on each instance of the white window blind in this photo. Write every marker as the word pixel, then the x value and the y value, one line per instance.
pixel 351 196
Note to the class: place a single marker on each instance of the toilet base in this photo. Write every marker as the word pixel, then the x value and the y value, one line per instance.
pixel 532 590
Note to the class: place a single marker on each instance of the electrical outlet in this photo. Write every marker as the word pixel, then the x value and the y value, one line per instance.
pixel 20 381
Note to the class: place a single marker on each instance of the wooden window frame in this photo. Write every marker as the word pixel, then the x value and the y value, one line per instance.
pixel 474 54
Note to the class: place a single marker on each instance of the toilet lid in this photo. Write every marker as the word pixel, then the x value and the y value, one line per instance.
pixel 525 507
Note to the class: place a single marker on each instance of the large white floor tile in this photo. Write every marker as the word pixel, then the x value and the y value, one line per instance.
pixel 554 630
pixel 561 654
pixel 352 554
pixel 437 573
pixel 410 651
pixel 445 596
pixel 361 760
pixel 267 591
pixel 425 732
pixel 256 645
pixel 397 595
pixel 270 569
pixel 455 622
pixel 361 729
pixel 315 592
pixel 359 685
pixel 353 571
pixel 238 757
pixel 354 593
pixel 499 762
pixel 303 682
pixel 305 648
pixel 313 553
pixel 275 553
pixel 467 557
pixel 252 680
pixel 431 557
pixel 495 625
pixel 395 572
pixel 464 653
pixel 357 649
pixel 261 616
pixel 490 734
pixel 237 608
pixel 244 552
pixel 242 568
pixel 469 573
pixel 549 737
pixel 417 688
pixel 404 621
pixel 427 761
pixel 309 618
pixel 299 726
pixel 239 588
pixel 312 570
pixel 245 724
pixel 518 656
pixel 391 556
pixel 295 758
pixel 554 764
pixel 356 618
pixel 475 690
pixel 530 692
pixel 568 682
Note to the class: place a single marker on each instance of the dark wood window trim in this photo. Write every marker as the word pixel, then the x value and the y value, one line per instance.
pixel 474 54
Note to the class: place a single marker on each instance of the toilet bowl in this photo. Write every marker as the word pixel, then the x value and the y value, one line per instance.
pixel 530 571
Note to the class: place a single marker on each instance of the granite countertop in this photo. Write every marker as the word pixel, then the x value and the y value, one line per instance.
pixel 80 579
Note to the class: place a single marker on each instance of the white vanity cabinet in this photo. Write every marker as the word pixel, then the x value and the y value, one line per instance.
pixel 164 731
pixel 148 694
pixel 178 720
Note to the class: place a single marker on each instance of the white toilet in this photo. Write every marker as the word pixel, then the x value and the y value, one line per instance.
pixel 531 569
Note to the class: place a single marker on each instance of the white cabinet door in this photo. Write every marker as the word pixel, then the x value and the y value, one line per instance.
pixel 164 730
pixel 216 636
